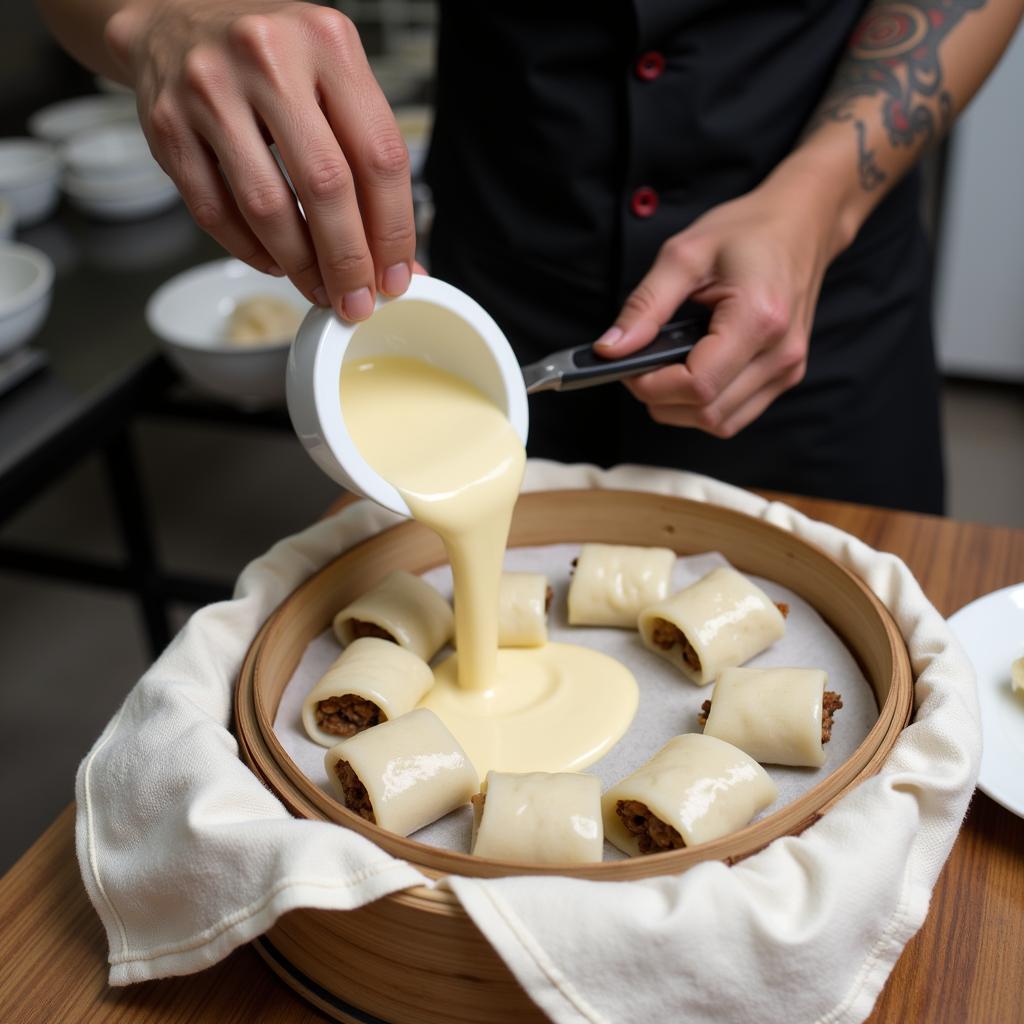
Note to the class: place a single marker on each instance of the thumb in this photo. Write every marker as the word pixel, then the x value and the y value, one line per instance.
pixel 678 271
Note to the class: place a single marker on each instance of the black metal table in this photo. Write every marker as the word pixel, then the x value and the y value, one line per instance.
pixel 105 372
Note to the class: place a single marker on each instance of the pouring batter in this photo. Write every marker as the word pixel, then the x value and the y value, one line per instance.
pixel 458 464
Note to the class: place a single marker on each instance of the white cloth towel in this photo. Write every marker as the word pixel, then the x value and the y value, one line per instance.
pixel 186 856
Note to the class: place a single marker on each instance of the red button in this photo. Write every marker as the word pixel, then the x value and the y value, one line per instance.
pixel 644 201
pixel 650 65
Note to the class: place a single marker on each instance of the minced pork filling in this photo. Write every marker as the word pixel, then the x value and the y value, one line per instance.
pixel 831 702
pixel 653 835
pixel 347 714
pixel 361 629
pixel 356 797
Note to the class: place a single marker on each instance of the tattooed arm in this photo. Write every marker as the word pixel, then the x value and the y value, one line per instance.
pixel 908 69
pixel 759 259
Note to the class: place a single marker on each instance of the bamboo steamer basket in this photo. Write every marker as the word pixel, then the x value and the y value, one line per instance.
pixel 415 957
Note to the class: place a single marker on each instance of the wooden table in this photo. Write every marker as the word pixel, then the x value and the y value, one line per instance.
pixel 963 966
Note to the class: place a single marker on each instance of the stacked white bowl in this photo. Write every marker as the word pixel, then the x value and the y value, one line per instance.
pixel 110 173
pixel 60 121
pixel 7 220
pixel 29 176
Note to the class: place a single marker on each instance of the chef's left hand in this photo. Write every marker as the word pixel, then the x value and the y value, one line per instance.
pixel 757 262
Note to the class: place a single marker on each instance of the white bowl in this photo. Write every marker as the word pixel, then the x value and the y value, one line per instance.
pixel 26 285
pixel 29 178
pixel 110 155
pixel 60 121
pixel 190 314
pixel 144 182
pixel 435 322
pixel 122 204
pixel 6 221
pixel 58 240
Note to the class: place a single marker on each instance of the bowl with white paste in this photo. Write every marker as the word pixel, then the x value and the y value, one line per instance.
pixel 227 328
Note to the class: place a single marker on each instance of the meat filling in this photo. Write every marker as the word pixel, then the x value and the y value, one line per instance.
pixel 653 835
pixel 549 596
pixel 477 800
pixel 361 629
pixel 356 797
pixel 666 635
pixel 830 703
pixel 702 715
pixel 347 714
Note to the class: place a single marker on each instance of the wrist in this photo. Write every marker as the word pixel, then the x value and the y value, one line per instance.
pixel 821 176
pixel 122 32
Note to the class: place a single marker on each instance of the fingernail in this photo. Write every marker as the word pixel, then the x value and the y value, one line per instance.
pixel 609 339
pixel 396 279
pixel 275 270
pixel 320 296
pixel 358 305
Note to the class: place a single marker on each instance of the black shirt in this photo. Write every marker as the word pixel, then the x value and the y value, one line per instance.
pixel 571 139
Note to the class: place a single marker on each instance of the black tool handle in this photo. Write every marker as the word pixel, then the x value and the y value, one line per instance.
pixel 671 345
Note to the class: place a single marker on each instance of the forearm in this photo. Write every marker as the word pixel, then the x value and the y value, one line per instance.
pixel 82 27
pixel 908 70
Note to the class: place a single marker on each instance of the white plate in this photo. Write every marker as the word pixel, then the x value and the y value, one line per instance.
pixel 992 632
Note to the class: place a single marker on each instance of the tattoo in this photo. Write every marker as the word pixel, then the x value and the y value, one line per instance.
pixel 894 53
pixel 871 175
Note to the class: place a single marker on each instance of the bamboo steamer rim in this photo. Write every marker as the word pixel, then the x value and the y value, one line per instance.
pixel 619 517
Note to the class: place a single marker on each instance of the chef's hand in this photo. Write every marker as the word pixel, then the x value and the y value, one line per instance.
pixel 757 262
pixel 217 80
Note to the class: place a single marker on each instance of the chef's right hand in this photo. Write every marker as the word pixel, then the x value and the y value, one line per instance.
pixel 217 80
